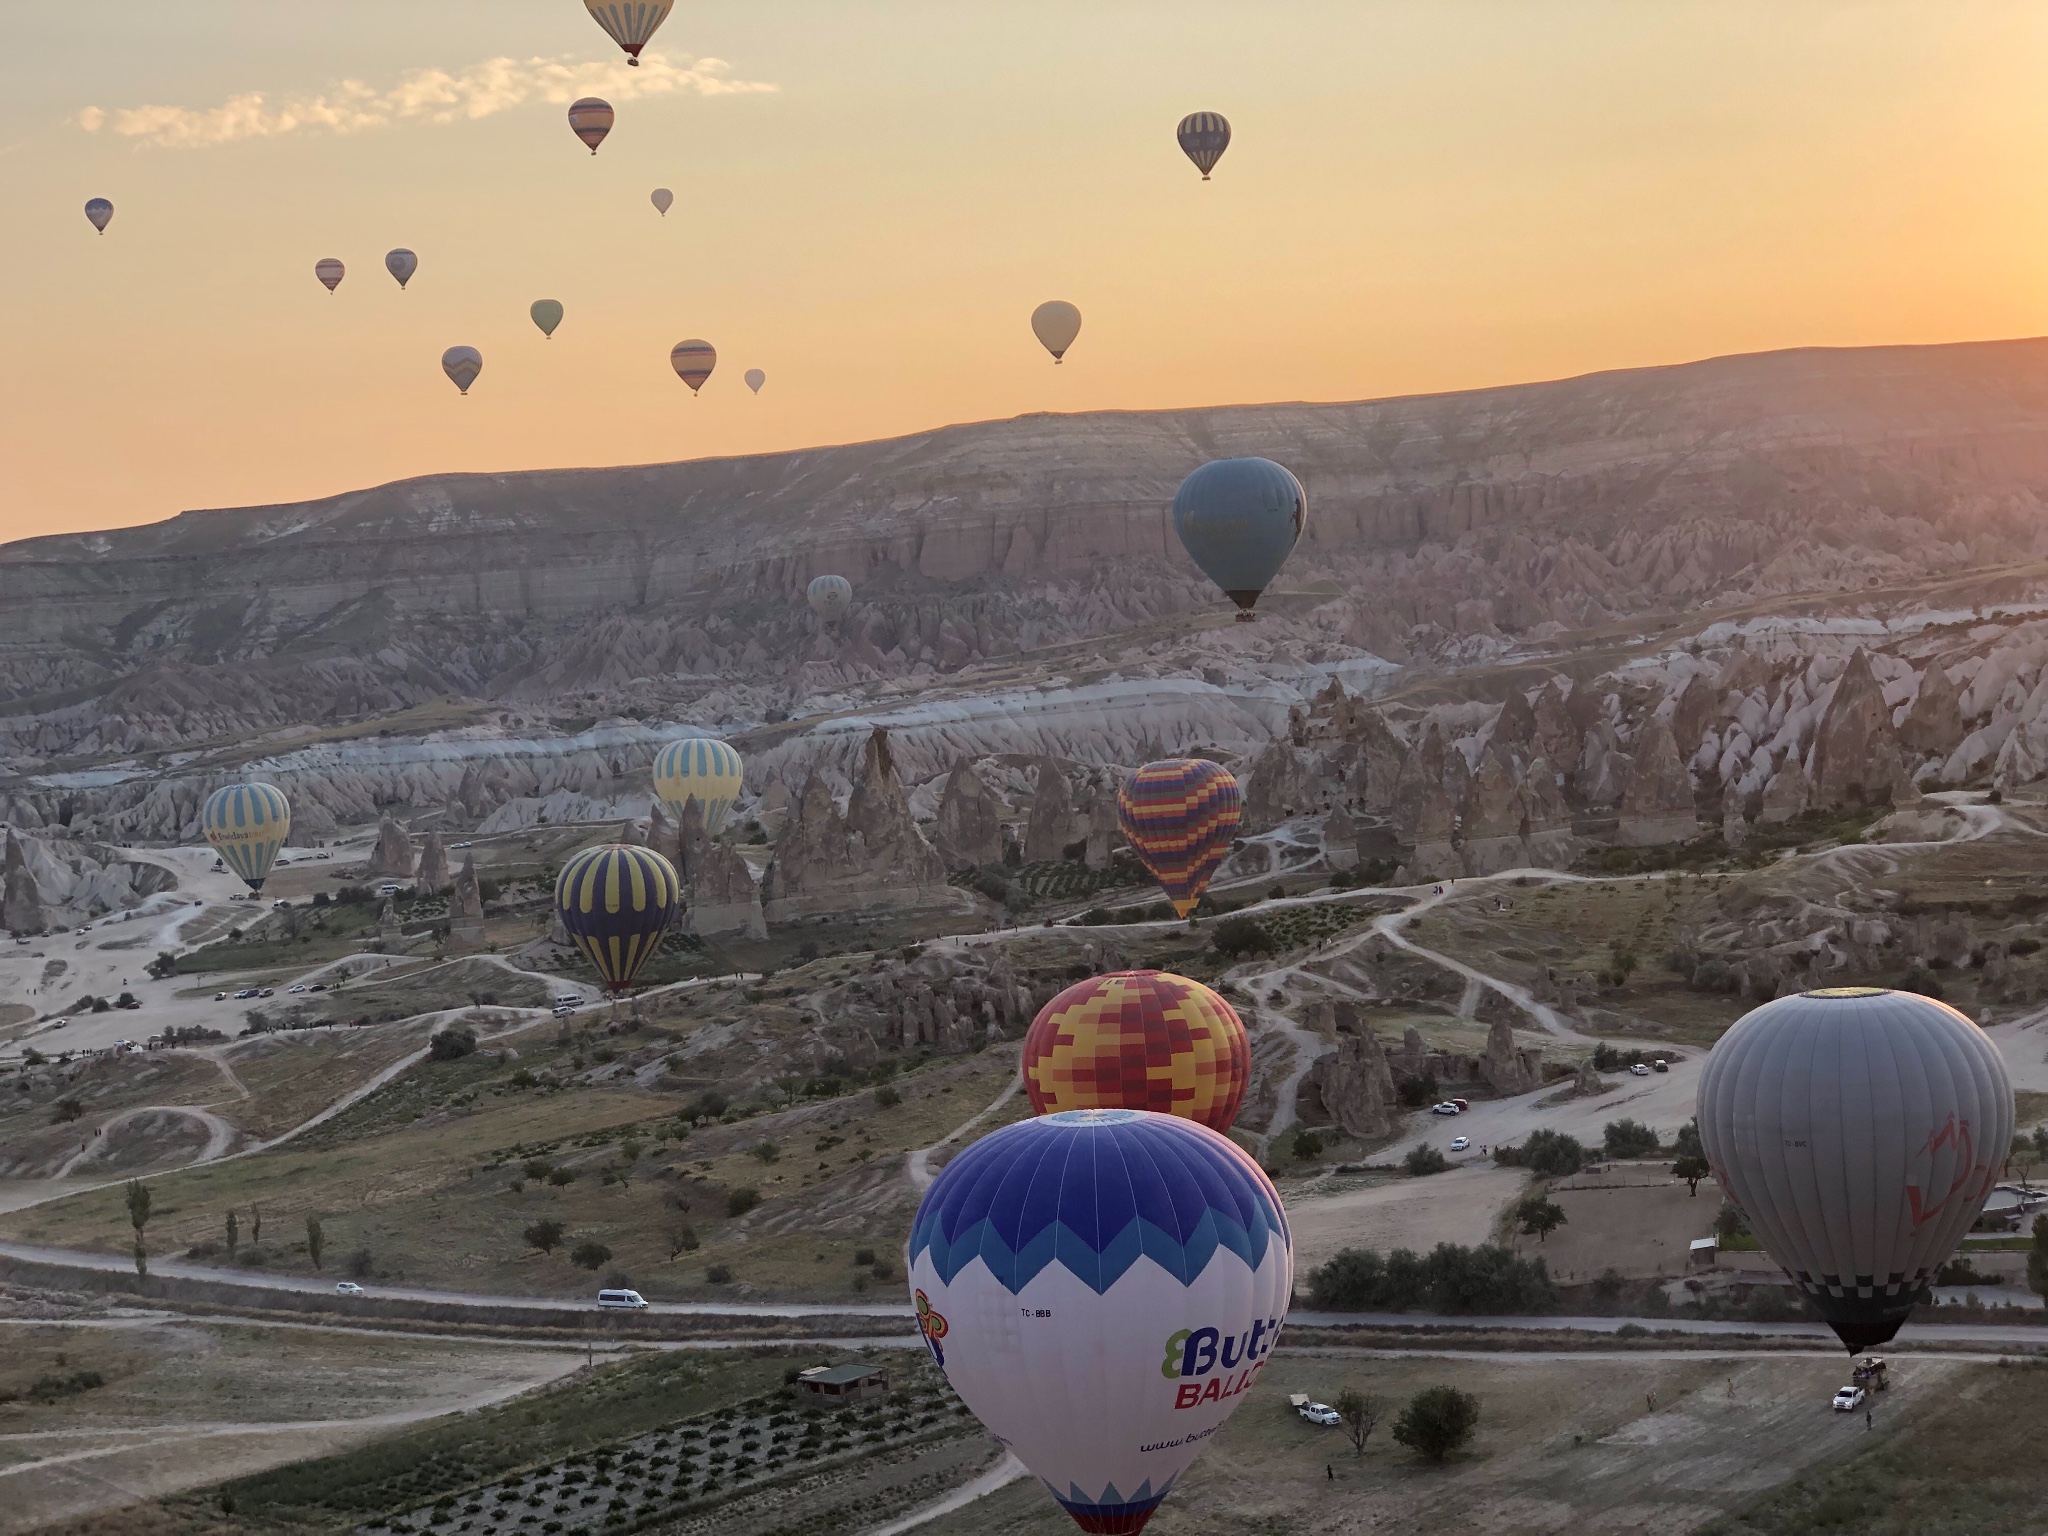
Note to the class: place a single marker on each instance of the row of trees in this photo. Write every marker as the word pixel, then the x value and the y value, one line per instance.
pixel 1486 1280
pixel 1555 1155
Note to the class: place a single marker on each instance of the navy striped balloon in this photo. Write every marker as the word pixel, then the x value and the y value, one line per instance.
pixel 616 901
pixel 1203 138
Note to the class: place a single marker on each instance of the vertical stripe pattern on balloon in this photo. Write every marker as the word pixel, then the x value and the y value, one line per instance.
pixel 702 767
pixel 615 903
pixel 247 824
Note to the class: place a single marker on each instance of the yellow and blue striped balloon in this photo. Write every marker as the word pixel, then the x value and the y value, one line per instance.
pixel 616 901
pixel 247 825
pixel 704 767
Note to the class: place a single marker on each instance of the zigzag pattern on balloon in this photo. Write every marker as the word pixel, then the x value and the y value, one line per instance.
pixel 1112 1513
pixel 1096 1217
pixel 1180 815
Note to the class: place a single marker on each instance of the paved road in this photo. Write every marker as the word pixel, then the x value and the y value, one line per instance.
pixel 1918 1333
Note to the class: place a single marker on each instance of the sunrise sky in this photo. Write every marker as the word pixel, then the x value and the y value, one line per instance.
pixel 872 195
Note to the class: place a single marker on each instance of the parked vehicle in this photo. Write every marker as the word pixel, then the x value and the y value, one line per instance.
pixel 268 992
pixel 348 1288
pixel 1639 1070
pixel 627 1299
pixel 1461 1143
pixel 1445 1108
pixel 1660 1065
pixel 297 986
pixel 221 997
pixel 1463 1104
pixel 1849 1399
pixel 1313 1411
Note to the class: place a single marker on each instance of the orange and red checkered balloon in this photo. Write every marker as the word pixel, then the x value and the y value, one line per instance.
pixel 1139 1040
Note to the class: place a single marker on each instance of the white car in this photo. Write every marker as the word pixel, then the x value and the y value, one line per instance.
pixel 1319 1413
pixel 58 1023
pixel 1461 1143
pixel 1849 1399
pixel 348 1288
pixel 297 986
pixel 1445 1108
pixel 1639 1070
pixel 220 997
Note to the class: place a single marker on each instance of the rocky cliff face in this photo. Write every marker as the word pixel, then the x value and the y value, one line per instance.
pixel 872 856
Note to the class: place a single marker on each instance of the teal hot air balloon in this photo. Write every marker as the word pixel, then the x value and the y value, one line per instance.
pixel 615 902
pixel 247 825
pixel 1239 520
pixel 547 314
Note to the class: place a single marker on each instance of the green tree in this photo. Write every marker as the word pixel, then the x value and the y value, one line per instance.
pixel 1423 1158
pixel 1627 1139
pixel 1237 937
pixel 1308 1146
pixel 546 1235
pixel 629 1156
pixel 682 1239
pixel 451 1044
pixel 138 1217
pixel 590 1254
pixel 315 1240
pixel 1360 1414
pixel 1691 1169
pixel 234 1234
pixel 1437 1421
pixel 1687 1142
pixel 1540 1216
pixel 2037 1258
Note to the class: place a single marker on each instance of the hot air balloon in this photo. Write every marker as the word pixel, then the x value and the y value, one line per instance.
pixel 663 200
pixel 1139 1040
pixel 247 824
pixel 1056 323
pixel 330 272
pixel 615 902
pixel 1239 520
pixel 830 597
pixel 701 768
pixel 101 213
pixel 401 264
pixel 693 361
pixel 755 379
pixel 1860 1130
pixel 547 314
pixel 1203 138
pixel 591 118
pixel 1102 1288
pixel 462 364
pixel 1179 816
pixel 630 22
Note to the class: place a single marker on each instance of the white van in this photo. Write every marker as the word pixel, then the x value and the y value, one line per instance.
pixel 629 1299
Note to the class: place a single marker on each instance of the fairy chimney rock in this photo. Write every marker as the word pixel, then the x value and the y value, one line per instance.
pixel 392 858
pixel 969 829
pixel 432 877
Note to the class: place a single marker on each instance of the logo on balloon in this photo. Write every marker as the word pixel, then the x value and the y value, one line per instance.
pixel 1199 1352
pixel 933 1326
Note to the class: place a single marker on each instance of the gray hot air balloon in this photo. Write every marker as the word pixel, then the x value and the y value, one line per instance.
pixel 101 212
pixel 663 200
pixel 547 314
pixel 330 271
pixel 1861 1131
pixel 401 264
pixel 831 596
pixel 1056 323
pixel 462 365
pixel 755 379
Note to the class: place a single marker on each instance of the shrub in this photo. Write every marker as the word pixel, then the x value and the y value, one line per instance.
pixel 718 1274
pixel 1307 1145
pixel 1437 1421
pixel 545 1235
pixel 536 1168
pixel 451 1044
pixel 1424 1158
pixel 887 1097
pixel 1550 1154
pixel 561 1177
pixel 740 1201
pixel 1628 1138
pixel 590 1254
pixel 863 1255
pixel 767 1151
pixel 1237 937
pixel 361 1264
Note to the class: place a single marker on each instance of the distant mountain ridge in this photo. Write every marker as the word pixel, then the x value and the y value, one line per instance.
pixel 1433 520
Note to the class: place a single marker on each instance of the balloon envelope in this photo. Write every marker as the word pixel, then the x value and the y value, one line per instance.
pixel 247 825
pixel 462 364
pixel 1179 816
pixel 615 902
pixel 1203 138
pixel 1861 1131
pixel 830 596
pixel 1102 1288
pixel 101 212
pixel 330 272
pixel 401 264
pixel 1139 1040
pixel 591 119
pixel 630 23
pixel 1239 520
pixel 1056 323
pixel 755 379
pixel 547 314
pixel 663 200
pixel 703 768
pixel 693 361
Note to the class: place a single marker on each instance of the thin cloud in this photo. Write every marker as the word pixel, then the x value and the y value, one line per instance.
pixel 421 96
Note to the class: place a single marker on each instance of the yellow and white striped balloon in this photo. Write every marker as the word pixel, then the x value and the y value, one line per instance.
pixel 703 767
pixel 247 825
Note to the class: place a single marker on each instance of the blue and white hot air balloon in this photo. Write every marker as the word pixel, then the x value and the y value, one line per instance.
pixel 1102 1288
pixel 1239 519
pixel 700 768
pixel 247 825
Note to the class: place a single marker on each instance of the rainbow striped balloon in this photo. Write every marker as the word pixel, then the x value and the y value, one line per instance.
pixel 616 901
pixel 1139 1040
pixel 693 361
pixel 703 767
pixel 247 825
pixel 1179 816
